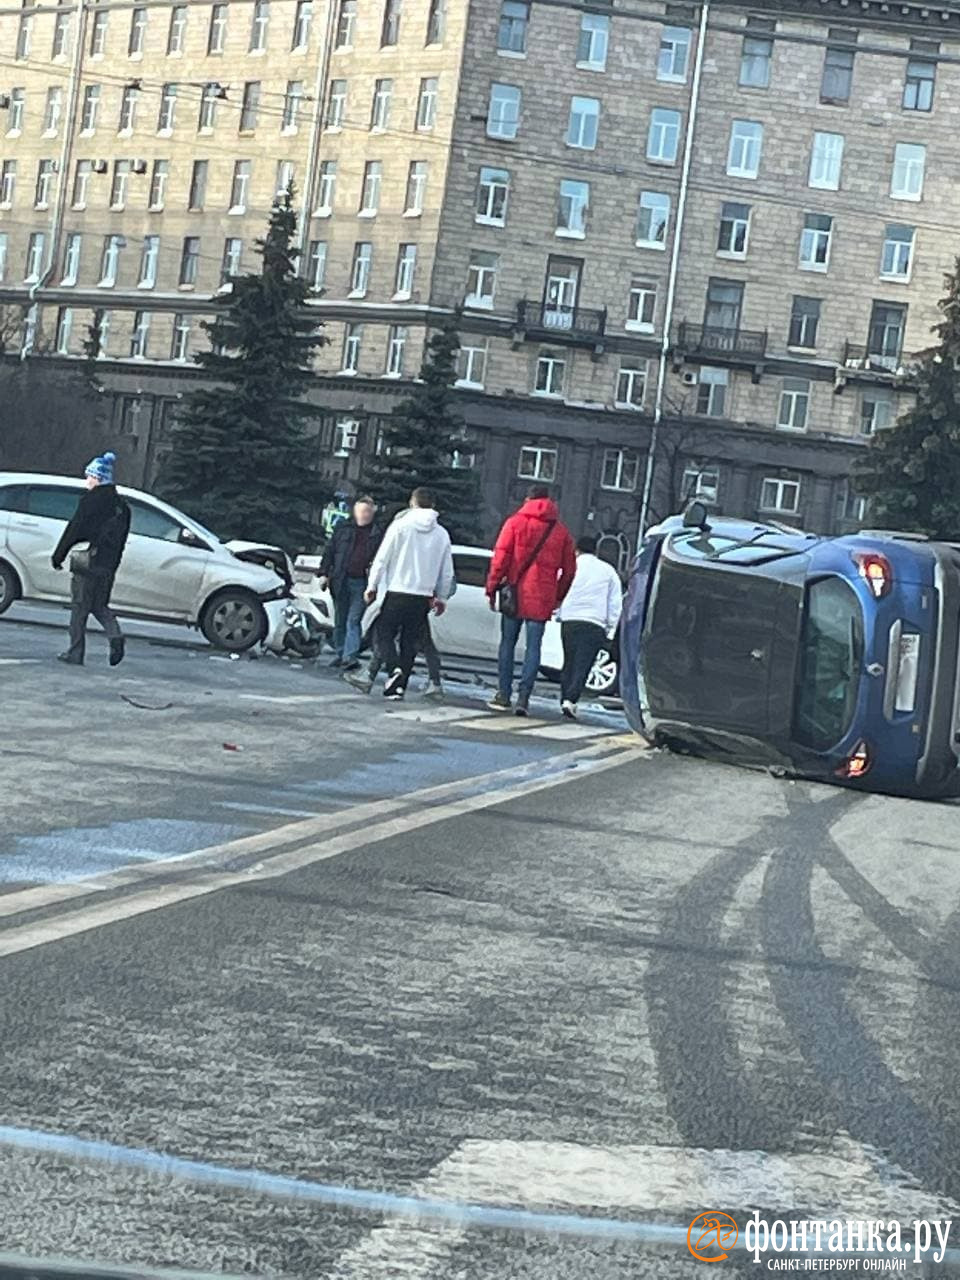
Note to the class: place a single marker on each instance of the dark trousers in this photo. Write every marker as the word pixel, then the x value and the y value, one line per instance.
pixel 401 620
pixel 425 646
pixel 90 594
pixel 581 644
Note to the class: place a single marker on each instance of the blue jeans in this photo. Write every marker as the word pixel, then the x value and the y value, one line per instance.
pixel 348 608
pixel 509 635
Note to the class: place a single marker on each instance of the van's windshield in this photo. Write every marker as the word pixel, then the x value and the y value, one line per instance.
pixel 828 671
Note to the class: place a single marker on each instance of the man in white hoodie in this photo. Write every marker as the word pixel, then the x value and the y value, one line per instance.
pixel 414 566
pixel 589 614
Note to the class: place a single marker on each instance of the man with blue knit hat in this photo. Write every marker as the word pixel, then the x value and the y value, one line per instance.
pixel 102 521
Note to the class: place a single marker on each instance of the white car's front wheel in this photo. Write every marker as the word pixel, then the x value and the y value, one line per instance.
pixel 9 587
pixel 233 620
pixel 603 680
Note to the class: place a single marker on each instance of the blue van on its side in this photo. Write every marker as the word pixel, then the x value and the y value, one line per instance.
pixel 834 658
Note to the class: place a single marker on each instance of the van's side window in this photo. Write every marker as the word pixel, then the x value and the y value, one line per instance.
pixel 14 498
pixel 53 502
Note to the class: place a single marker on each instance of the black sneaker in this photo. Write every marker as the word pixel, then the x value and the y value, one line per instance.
pixel 117 649
pixel 522 705
pixel 394 683
pixel 70 662
pixel 395 696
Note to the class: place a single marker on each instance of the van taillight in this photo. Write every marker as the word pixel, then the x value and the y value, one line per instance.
pixel 875 570
pixel 857 764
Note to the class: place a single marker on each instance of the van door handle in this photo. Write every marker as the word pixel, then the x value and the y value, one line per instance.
pixel 27 524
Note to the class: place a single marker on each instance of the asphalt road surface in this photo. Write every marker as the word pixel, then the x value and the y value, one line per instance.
pixel 425 951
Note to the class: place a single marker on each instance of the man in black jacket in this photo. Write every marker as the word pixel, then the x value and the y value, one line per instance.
pixel 344 567
pixel 102 520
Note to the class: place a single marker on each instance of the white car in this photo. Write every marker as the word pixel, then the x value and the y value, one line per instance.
pixel 173 569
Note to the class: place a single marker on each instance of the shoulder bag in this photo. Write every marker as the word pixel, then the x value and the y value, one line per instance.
pixel 508 600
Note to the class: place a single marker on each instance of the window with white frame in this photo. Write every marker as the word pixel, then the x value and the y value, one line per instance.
pixel 189 261
pixel 804 322
pixel 700 482
pixel 674 55
pixel 240 186
pixel 231 263
pixel 851 507
pixel 346 24
pixel 208 108
pixel 537 462
pixel 24 38
pixel 472 362
pixel 594 42
pixel 888 321
pixel 370 191
pixel 734 231
pixel 360 270
pixel 88 116
pixel 427 103
pixel 462 459
pixel 336 105
pixel 631 384
pixel 317 265
pixel 64 329
pixel 250 107
pixel 120 184
pixel 52 110
pixel 653 216
pixel 826 161
pixel 876 410
pixel 482 279
pixel 158 184
pixel 642 305
pixel 572 207
pixel 98 33
pixel 71 258
pixel 584 125
pixel 352 336
pixel 780 495
pixel 712 386
pixel 619 470
pixel 512 28
pixel 217 32
pixel 129 101
pixel 390 31
pixel 177 31
pixel 302 23
pixel 746 149
pixel 416 187
pixel 436 22
pixel 663 136
pixel 100 332
pixel 149 258
pixel 138 32
pixel 140 337
pixel 81 183
pixel 292 106
pixel 550 374
pixel 198 185
pixel 8 182
pixel 755 58
pixel 286 178
pixel 180 343
pixel 794 403
pixel 897 257
pixel 815 241
pixel 259 22
pixel 909 162
pixel 346 436
pixel 493 190
pixel 918 84
pixel 396 346
pixel 406 270
pixel 109 262
pixel 4 247
pixel 168 109
pixel 326 187
pixel 44 185
pixel 36 244
pixel 380 108
pixel 503 113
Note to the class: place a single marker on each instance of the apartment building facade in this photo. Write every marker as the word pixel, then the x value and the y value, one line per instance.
pixel 694 244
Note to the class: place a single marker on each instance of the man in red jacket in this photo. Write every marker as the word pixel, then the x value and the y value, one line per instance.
pixel 535 554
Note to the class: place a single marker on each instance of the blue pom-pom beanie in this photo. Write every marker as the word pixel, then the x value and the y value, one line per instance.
pixel 102 468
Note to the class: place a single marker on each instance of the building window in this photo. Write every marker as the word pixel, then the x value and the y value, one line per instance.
pixel 99 333
pixel 131 408
pixel 240 186
pixel 41 193
pixel 550 373
pixel 24 39
pixel 780 495
pixel 909 161
pixel 158 184
pixel 302 23
pixel 380 112
pixel 217 34
pixel 98 33
pixel 794 403
pixel 572 207
pixel 826 161
pixel 918 85
pixel 897 257
pixel 746 147
pixel 198 185
pixel 346 435
pixel 370 191
pixel 436 21
pixel 129 102
pixel 360 270
pixel 286 178
pixel 346 24
pixel 149 256
pixel 71 258
pixel 734 230
pixel 723 309
pixel 472 363
pixel 390 32
pixel 64 327
pixel 176 35
pixel 815 241
pixel 755 59
pixel 189 260
pixel 250 110
pixel 140 337
pixel 700 483
pixel 396 345
pixel 851 508
pixel 503 114
pixel 837 79
pixel 537 463
pixel 120 184
pixel 406 269
pixel 168 109
pixel 109 262
pixel 482 279
pixel 350 362
pixel 51 111
pixel 462 459
pixel 619 470
pixel 804 322
pixel 512 31
pixel 653 215
pixel 317 265
pixel 35 249
pixel 4 245
pixel 15 112
pixel 8 181
pixel 326 187
pixel 631 384
pixel 138 33
pixel 180 344
pixel 292 106
pixel 876 410
pixel 336 104
pixel 674 54
pixel 427 103
pixel 492 192
pixel 663 137
pixel 885 342
pixel 584 124
pixel 594 42
pixel 230 263
pixel 259 23
pixel 416 187
pixel 208 108
pixel 642 305
pixel 712 391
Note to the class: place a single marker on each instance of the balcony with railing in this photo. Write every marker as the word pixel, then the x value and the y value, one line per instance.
pixel 735 345
pixel 858 358
pixel 557 322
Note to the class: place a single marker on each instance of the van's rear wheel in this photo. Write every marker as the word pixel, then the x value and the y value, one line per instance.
pixel 233 620
pixel 9 587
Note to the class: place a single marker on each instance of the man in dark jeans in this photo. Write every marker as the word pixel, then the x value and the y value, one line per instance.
pixel 102 520
pixel 345 565
pixel 589 613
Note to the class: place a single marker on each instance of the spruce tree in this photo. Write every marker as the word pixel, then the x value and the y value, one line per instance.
pixel 243 457
pixel 419 441
pixel 911 474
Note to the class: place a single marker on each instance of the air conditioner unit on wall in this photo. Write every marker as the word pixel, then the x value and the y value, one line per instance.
pixel 100 166
pixel 690 378
pixel 139 166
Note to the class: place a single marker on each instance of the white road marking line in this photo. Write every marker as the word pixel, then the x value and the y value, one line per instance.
pixel 97 914
pixel 503 724
pixel 17 662
pixel 571 732
pixel 268 809
pixel 294 698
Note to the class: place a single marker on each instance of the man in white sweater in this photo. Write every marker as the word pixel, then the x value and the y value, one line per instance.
pixel 589 614
pixel 414 567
